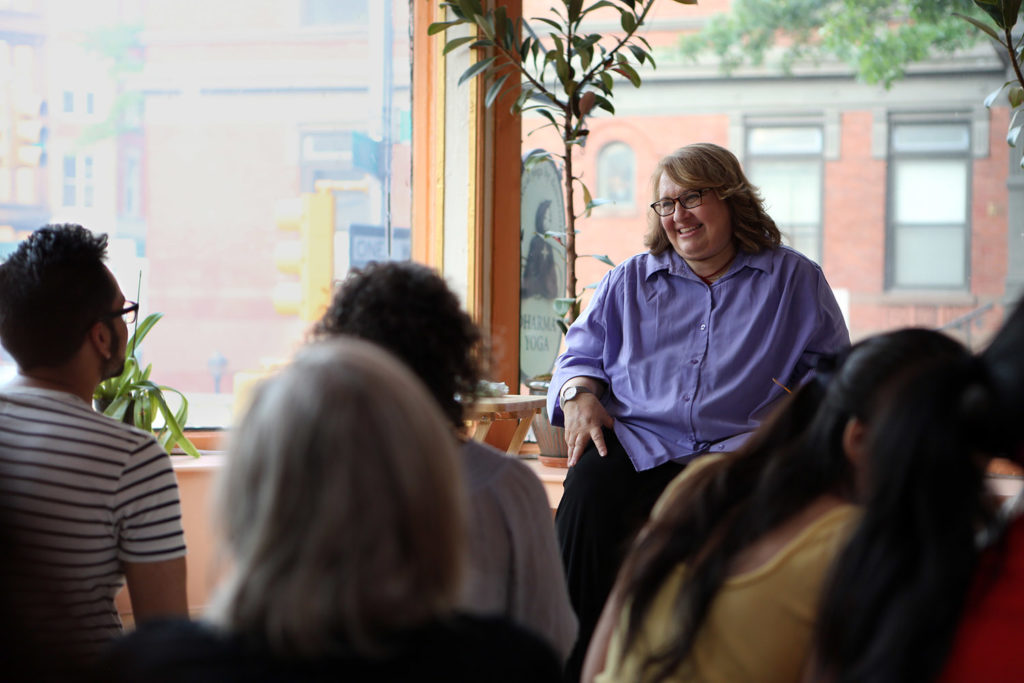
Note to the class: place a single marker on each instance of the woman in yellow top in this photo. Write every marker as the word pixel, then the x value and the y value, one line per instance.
pixel 723 582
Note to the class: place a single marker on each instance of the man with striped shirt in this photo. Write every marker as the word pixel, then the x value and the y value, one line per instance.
pixel 86 502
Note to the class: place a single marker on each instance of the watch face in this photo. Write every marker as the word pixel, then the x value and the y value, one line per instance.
pixel 570 393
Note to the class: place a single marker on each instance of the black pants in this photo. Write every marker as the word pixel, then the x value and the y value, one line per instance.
pixel 604 503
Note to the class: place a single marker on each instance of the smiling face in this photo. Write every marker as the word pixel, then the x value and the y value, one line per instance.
pixel 702 236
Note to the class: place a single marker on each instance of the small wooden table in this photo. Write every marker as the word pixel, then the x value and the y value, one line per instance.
pixel 511 407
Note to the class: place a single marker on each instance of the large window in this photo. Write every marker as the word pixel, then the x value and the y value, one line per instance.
pixel 181 129
pixel 929 199
pixel 616 175
pixel 78 186
pixel 785 162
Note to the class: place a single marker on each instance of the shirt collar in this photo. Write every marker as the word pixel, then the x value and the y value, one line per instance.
pixel 672 262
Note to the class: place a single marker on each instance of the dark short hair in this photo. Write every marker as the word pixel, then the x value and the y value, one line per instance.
pixel 704 164
pixel 408 309
pixel 52 289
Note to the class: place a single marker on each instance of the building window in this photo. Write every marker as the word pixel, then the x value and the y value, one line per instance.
pixel 929 181
pixel 785 163
pixel 70 188
pixel 90 103
pixel 616 175
pixel 69 102
pixel 78 181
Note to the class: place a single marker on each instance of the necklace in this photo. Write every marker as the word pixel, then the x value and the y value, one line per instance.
pixel 708 279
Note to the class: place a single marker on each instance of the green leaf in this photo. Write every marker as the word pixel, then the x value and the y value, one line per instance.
pixel 994 9
pixel 565 328
pixel 501 23
pixel 440 26
pixel 1011 9
pixel 456 42
pixel 1014 128
pixel 563 305
pixel 486 24
pixel 573 8
pixel 495 90
pixel 1012 136
pixel 549 116
pixel 543 20
pixel 588 201
pixel 603 258
pixel 600 202
pixel 524 48
pixel 628 22
pixel 629 72
pixel 638 53
pixel 173 422
pixel 144 327
pixel 470 7
pixel 598 5
pixel 984 27
pixel 1016 96
pixel 476 69
pixel 991 98
pixel 605 104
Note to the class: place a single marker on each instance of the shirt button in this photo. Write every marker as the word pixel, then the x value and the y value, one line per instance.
pixel 686 398
pixel 694 361
pixel 703 326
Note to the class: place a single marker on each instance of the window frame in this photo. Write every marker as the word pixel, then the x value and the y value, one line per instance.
pixel 818 158
pixel 893 158
pixel 614 207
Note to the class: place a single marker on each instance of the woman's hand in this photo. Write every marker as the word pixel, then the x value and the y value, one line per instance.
pixel 584 418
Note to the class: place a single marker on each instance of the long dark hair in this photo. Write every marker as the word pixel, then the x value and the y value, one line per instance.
pixel 893 602
pixel 794 458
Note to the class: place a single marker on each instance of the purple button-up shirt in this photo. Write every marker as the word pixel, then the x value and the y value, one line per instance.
pixel 689 367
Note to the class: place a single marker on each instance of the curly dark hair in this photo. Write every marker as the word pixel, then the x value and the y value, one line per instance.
pixel 52 289
pixel 409 310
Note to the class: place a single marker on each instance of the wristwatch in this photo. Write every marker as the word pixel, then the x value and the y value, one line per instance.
pixel 574 391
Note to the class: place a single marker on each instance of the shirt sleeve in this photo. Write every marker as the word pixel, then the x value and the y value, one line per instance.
pixel 147 509
pixel 830 335
pixel 585 346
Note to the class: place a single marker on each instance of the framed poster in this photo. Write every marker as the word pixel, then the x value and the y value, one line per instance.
pixel 542 280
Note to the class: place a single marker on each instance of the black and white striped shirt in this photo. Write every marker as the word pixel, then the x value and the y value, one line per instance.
pixel 81 494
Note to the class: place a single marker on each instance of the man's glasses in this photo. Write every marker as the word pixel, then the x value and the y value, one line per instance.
pixel 690 200
pixel 129 312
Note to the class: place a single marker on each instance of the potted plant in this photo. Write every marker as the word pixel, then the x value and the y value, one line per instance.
pixel 133 398
pixel 563 76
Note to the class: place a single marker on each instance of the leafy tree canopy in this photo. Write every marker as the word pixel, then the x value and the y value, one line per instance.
pixel 877 38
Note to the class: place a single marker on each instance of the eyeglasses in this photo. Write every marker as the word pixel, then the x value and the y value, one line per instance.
pixel 690 200
pixel 129 312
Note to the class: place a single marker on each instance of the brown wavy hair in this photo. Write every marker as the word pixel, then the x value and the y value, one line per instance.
pixel 704 164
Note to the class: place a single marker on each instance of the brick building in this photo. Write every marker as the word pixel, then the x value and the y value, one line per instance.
pixel 901 195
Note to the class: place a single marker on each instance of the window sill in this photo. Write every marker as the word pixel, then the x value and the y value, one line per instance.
pixel 921 297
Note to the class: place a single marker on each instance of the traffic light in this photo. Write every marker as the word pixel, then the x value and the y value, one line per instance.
pixel 29 132
pixel 311 257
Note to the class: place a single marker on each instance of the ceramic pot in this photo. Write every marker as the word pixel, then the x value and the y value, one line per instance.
pixel 550 439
